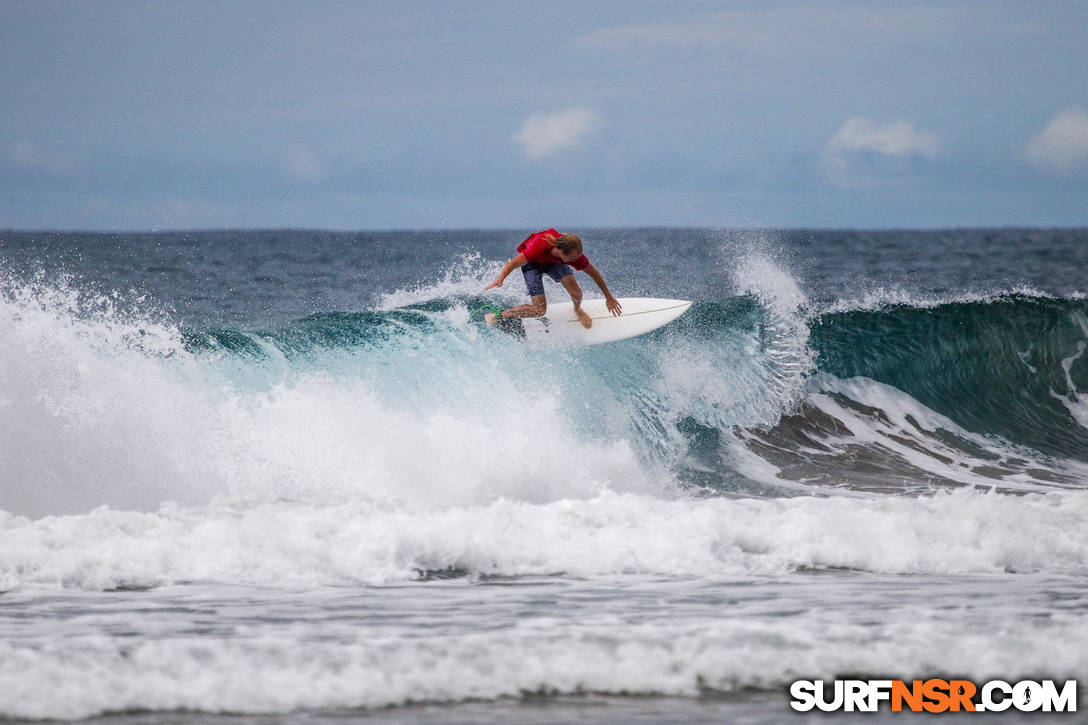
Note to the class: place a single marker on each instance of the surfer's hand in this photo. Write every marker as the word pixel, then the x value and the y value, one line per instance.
pixel 613 306
pixel 497 283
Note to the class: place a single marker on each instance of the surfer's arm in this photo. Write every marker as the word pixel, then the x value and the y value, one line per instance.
pixel 518 261
pixel 611 302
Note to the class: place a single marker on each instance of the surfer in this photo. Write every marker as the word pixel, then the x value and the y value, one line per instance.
pixel 553 254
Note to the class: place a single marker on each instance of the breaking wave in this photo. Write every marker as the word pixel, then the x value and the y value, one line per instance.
pixel 409 439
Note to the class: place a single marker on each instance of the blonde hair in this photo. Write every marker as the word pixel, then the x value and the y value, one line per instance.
pixel 569 243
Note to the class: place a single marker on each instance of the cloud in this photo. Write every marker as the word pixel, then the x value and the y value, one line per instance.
pixel 31 156
pixel 545 134
pixel 860 140
pixel 898 138
pixel 302 164
pixel 773 30
pixel 707 31
pixel 1062 146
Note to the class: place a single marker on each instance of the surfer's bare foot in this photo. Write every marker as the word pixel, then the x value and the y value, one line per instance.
pixel 587 321
pixel 491 320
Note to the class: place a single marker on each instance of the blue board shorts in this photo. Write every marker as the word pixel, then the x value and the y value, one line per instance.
pixel 534 275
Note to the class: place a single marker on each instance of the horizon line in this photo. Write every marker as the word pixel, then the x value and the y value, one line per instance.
pixel 649 227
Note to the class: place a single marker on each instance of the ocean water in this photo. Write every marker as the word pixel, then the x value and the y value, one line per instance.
pixel 283 476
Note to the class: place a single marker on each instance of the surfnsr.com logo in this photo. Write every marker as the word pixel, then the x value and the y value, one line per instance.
pixel 934 695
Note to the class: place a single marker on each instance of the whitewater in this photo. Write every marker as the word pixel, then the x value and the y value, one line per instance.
pixel 248 474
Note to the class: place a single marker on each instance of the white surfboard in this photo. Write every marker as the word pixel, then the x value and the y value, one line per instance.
pixel 640 315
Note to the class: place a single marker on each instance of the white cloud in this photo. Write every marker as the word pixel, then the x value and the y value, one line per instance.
pixel 31 156
pixel 706 31
pixel 302 164
pixel 1062 146
pixel 864 137
pixel 546 133
pixel 898 138
pixel 774 30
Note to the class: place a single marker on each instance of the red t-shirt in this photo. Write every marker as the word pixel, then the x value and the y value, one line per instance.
pixel 538 248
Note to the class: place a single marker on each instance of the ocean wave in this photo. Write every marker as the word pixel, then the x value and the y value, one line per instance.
pixel 280 670
pixel 754 394
pixel 1009 366
pixel 293 544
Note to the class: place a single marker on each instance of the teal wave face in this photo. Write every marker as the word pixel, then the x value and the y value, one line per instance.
pixel 1011 366
pixel 323 331
pixel 735 377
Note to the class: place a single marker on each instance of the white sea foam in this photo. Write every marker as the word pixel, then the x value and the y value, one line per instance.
pixel 1075 401
pixel 280 673
pixel 251 665
pixel 362 542
pixel 907 431
pixel 94 405
pixel 265 668
pixel 99 409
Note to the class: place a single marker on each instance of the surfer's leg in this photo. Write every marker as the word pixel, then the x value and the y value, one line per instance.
pixel 537 306
pixel 538 303
pixel 570 284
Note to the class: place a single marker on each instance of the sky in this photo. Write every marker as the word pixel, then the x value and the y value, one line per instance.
pixel 407 115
